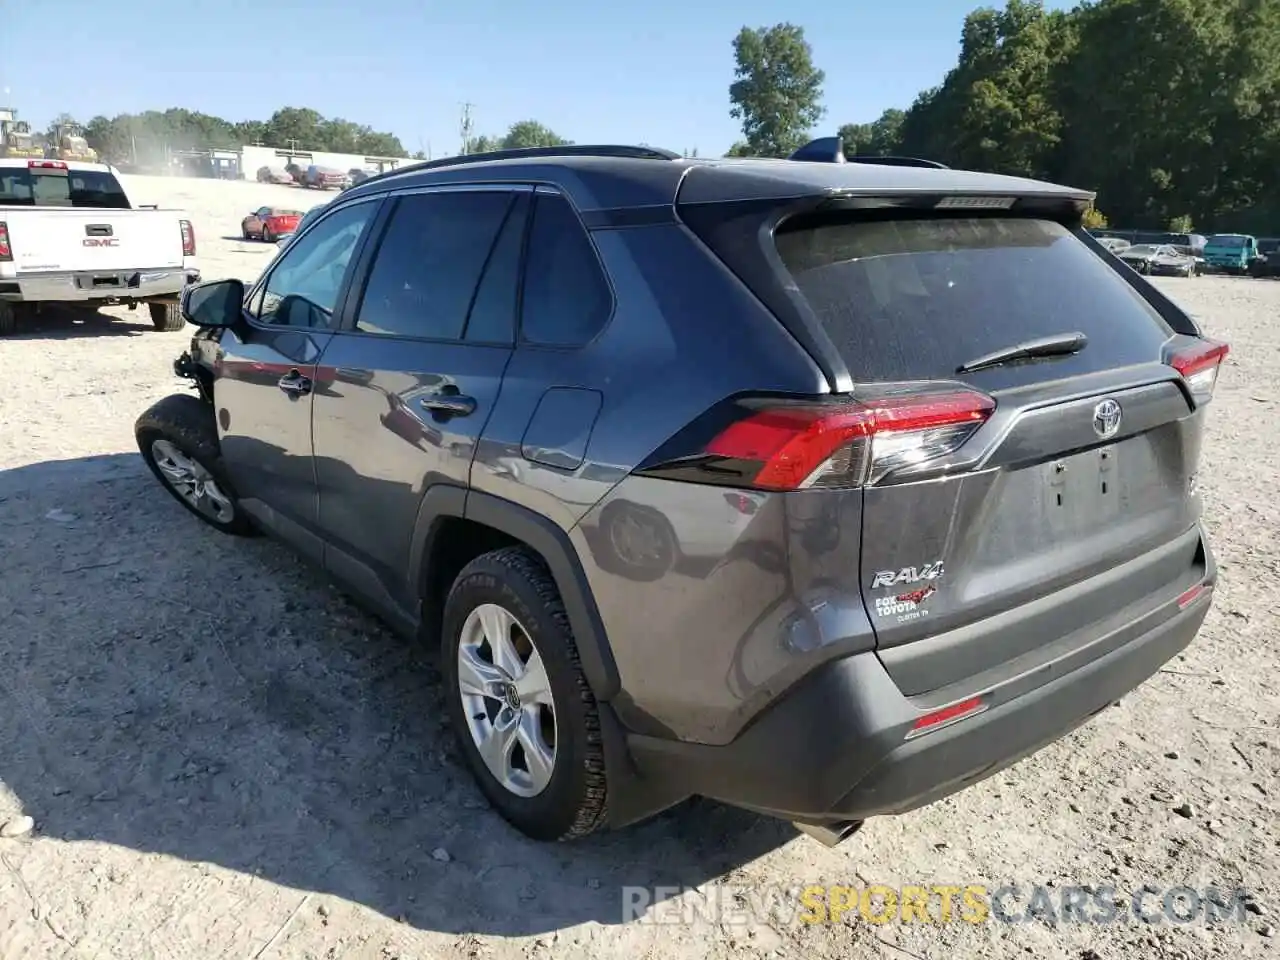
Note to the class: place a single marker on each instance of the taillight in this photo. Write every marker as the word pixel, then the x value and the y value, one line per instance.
pixel 46 165
pixel 1199 365
pixel 775 445
pixel 188 238
pixel 6 251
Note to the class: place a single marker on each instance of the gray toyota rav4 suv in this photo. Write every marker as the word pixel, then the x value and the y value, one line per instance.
pixel 823 489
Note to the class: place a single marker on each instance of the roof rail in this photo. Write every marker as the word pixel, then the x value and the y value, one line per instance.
pixel 831 150
pixel 900 162
pixel 568 150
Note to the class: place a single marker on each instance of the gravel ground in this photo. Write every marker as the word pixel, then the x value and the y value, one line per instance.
pixel 216 771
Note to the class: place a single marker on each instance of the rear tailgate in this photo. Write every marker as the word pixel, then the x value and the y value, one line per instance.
pixel 70 239
pixel 1064 511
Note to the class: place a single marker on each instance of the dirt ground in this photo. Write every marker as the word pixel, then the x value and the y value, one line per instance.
pixel 224 758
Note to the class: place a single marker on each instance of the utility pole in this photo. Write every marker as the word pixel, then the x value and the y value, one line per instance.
pixel 465 128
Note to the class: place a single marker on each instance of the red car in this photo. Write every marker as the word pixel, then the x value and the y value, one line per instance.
pixel 268 223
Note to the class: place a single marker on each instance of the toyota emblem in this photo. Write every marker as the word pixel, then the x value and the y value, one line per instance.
pixel 1106 418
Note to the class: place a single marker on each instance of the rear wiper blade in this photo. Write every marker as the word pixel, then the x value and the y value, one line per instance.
pixel 1057 345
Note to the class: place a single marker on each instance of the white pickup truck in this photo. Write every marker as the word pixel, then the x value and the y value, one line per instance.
pixel 69 235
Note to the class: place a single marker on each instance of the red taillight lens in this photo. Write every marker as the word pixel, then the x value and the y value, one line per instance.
pixel 1199 365
pixel 6 251
pixel 824 446
pixel 188 238
pixel 46 165
pixel 937 719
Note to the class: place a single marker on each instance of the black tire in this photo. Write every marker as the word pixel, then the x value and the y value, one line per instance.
pixel 8 318
pixel 574 802
pixel 187 423
pixel 266 234
pixel 166 317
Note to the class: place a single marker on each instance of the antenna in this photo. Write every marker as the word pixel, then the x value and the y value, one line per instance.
pixel 465 128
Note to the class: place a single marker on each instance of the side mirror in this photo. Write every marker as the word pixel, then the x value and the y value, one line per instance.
pixel 214 304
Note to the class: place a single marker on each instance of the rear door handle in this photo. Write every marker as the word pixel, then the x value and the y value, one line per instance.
pixel 294 384
pixel 449 404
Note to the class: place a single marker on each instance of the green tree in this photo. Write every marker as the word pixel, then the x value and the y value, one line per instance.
pixel 1094 219
pixel 530 133
pixel 1181 224
pixel 777 91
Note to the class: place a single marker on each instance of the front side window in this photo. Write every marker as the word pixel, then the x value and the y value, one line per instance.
pixel 303 288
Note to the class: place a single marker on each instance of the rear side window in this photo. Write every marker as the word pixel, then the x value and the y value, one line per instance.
pixel 906 299
pixel 429 262
pixel 567 299
pixel 90 189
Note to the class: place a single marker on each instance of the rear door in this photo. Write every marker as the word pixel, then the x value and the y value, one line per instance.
pixel 1015 503
pixel 416 374
pixel 80 220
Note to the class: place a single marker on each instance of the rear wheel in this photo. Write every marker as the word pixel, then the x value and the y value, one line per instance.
pixel 178 439
pixel 166 317
pixel 520 705
pixel 266 235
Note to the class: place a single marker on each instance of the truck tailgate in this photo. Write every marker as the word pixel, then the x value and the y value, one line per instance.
pixel 91 240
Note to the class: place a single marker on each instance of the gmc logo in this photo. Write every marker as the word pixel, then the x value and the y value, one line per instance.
pixel 100 242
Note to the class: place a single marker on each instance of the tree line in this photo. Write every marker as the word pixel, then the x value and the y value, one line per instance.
pixel 1169 109
pixel 148 138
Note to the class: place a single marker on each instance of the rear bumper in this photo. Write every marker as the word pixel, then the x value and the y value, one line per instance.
pixel 83 286
pixel 835 747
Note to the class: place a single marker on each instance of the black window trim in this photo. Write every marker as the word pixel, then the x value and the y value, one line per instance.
pixel 543 190
pixel 358 281
pixel 339 306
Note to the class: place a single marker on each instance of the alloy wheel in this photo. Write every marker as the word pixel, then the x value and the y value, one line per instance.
pixel 507 700
pixel 192 482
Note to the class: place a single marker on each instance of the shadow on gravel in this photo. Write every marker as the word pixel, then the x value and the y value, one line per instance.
pixel 172 690
pixel 65 322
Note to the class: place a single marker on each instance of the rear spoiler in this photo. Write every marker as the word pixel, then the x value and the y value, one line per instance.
pixel 831 150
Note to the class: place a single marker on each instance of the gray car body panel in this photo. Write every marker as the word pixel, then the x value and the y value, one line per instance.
pixel 715 623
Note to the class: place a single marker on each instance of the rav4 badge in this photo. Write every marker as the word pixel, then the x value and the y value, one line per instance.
pixel 892 578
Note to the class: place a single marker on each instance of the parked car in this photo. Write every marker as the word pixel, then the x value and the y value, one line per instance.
pixel 1199 267
pixel 274 175
pixel 269 224
pixel 966 457
pixel 356 175
pixel 324 178
pixel 1232 253
pixel 1114 244
pixel 282 240
pixel 298 173
pixel 1267 263
pixel 1161 259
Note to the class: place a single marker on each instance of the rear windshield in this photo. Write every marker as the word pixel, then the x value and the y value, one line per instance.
pixel 906 299
pixel 24 187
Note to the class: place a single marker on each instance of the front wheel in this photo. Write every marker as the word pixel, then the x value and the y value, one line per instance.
pixel 178 439
pixel 267 235
pixel 519 703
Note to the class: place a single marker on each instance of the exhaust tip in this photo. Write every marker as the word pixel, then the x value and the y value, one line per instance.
pixel 830 834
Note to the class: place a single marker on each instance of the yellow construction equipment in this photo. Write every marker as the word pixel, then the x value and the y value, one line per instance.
pixel 15 136
pixel 70 144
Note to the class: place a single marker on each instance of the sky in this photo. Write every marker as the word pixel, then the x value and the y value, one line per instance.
pixel 656 71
